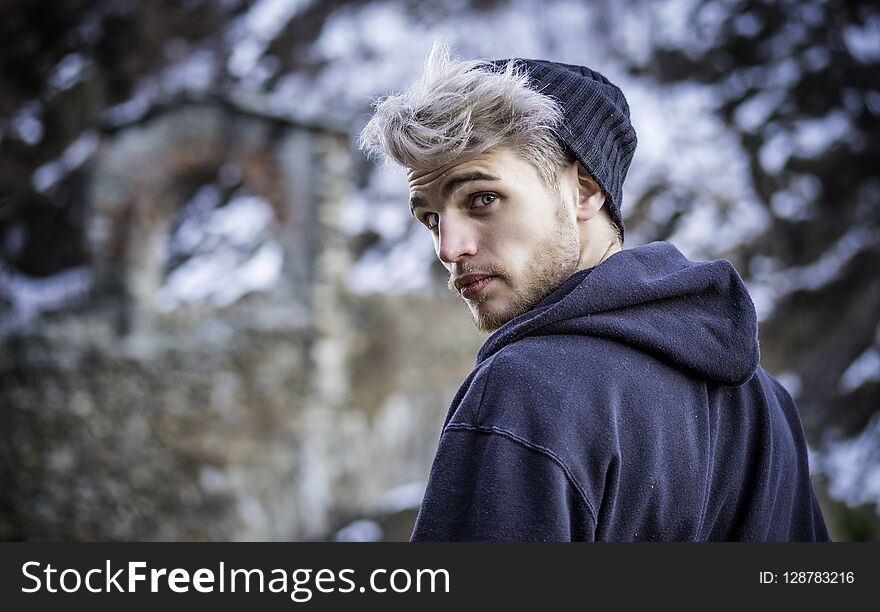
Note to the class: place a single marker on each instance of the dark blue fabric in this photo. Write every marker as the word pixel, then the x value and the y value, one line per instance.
pixel 595 122
pixel 627 405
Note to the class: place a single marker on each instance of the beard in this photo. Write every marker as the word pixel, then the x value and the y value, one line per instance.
pixel 553 261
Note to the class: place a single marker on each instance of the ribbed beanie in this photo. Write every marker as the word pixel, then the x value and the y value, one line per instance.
pixel 596 125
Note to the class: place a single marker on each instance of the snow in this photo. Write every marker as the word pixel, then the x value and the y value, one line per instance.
pixel 381 206
pixel 684 145
pixel 791 381
pixel 853 466
pixel 378 29
pixel 811 13
pixel 194 73
pixel 250 35
pixel 26 125
pixel 382 216
pixel 399 263
pixel 405 497
pixel 770 283
pixel 674 22
pixel 220 279
pixel 213 480
pixel 864 369
pixel 362 530
pixel 231 252
pixel 368 50
pixel 76 154
pixel 828 267
pixel 808 138
pixel 747 25
pixel 377 48
pixel 752 114
pixel 786 41
pixel 798 201
pixel 241 221
pixel 135 107
pixel 813 137
pixel 864 41
pixel 775 152
pixel 815 58
pixel 708 230
pixel 631 37
pixel 252 512
pixel 786 205
pixel 371 49
pixel 29 296
pixel 400 269
pixel 68 72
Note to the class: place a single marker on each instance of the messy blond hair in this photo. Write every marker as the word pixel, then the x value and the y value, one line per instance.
pixel 461 108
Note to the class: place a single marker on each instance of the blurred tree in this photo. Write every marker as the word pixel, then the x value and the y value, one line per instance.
pixel 799 82
pixel 796 80
pixel 63 64
pixel 72 69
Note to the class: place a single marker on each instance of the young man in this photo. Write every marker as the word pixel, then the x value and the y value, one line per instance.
pixel 620 395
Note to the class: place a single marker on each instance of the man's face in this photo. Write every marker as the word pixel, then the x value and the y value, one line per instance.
pixel 506 238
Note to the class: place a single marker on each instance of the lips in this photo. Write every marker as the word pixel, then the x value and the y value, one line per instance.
pixel 470 285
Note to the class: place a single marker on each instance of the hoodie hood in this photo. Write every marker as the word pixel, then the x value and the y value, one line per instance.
pixel 697 316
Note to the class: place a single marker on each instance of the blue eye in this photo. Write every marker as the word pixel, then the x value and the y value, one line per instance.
pixel 483 199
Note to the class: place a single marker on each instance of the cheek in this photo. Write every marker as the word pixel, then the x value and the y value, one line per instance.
pixel 517 242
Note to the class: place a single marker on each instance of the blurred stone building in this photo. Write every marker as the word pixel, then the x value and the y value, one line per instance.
pixel 212 379
pixel 179 356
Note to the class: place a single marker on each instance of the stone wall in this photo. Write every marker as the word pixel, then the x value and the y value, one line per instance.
pixel 283 416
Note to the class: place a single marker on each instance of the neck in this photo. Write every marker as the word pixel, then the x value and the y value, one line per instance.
pixel 613 248
pixel 596 252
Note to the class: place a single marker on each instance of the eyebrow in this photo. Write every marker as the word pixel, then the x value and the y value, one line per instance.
pixel 451 184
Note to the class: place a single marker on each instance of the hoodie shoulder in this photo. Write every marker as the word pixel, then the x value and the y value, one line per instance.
pixel 593 404
pixel 539 384
pixel 694 315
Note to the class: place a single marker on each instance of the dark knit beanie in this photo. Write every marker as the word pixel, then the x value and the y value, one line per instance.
pixel 595 125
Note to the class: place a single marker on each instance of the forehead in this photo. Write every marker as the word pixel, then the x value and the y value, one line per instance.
pixel 501 162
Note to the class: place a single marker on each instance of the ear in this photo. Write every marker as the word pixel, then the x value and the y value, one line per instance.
pixel 590 196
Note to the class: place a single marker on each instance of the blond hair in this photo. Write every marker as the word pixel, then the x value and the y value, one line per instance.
pixel 461 108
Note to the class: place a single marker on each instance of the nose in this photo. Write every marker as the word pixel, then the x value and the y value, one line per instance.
pixel 455 239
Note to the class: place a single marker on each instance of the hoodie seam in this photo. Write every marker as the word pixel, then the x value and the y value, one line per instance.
pixel 710 459
pixel 488 370
pixel 535 448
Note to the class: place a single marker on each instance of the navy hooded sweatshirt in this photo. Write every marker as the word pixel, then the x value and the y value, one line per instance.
pixel 627 405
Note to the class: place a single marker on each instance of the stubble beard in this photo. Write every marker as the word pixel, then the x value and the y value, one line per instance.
pixel 554 260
